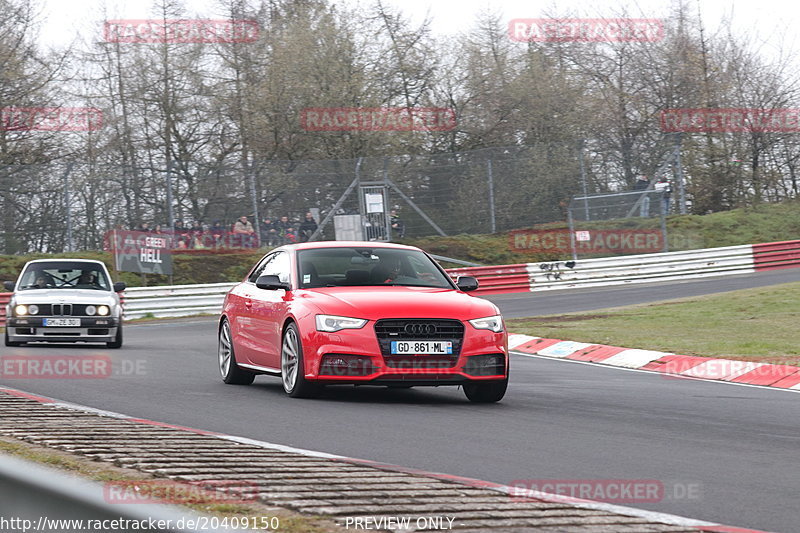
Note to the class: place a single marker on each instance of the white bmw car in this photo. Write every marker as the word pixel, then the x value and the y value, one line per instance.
pixel 64 300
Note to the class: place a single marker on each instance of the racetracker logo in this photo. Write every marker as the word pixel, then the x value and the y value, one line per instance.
pixel 586 30
pixel 172 492
pixel 377 119
pixel 55 367
pixel 730 120
pixel 50 119
pixel 599 490
pixel 591 241
pixel 181 31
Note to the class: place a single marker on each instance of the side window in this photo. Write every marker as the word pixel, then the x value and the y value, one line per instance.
pixel 279 266
pixel 260 267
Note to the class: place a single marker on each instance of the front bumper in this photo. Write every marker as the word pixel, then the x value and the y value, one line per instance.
pixel 370 366
pixel 91 329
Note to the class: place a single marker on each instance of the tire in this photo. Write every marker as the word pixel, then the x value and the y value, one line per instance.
pixel 117 342
pixel 230 371
pixel 292 374
pixel 488 392
pixel 10 342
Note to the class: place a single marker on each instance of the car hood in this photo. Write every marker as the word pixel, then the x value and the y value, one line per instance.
pixel 48 296
pixel 399 302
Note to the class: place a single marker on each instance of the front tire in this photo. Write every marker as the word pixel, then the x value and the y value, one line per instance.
pixel 117 342
pixel 488 392
pixel 292 367
pixel 9 342
pixel 230 371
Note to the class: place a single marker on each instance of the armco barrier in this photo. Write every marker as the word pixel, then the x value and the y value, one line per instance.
pixel 187 300
pixel 776 255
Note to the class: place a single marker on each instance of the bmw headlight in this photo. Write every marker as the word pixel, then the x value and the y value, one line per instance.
pixel 492 323
pixel 331 323
pixel 20 310
pixel 33 309
pixel 103 310
pixel 91 310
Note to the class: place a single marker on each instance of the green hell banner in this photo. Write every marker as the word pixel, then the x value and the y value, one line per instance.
pixel 136 251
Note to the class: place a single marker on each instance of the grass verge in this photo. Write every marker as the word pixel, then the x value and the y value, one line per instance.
pixel 752 324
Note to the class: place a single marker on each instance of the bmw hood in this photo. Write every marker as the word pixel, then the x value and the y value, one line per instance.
pixel 400 302
pixel 49 296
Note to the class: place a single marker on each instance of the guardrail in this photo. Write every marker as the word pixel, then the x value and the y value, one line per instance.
pixel 188 300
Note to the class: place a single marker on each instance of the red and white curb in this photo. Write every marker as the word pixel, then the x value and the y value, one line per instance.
pixel 664 518
pixel 785 377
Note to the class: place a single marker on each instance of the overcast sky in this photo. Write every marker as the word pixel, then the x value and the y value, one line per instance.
pixel 772 22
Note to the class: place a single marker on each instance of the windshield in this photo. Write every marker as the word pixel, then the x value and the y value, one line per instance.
pixel 64 275
pixel 348 267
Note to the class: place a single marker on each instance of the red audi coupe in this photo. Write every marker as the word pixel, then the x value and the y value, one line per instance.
pixel 362 313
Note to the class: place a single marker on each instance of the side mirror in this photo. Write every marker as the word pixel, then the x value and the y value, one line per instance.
pixel 271 283
pixel 120 286
pixel 9 285
pixel 467 283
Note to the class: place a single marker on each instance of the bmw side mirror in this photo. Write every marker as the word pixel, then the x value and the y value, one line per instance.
pixel 271 282
pixel 467 283
pixel 120 286
pixel 9 285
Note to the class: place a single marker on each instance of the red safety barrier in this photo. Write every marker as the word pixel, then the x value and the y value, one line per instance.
pixel 496 279
pixel 776 255
pixel 5 297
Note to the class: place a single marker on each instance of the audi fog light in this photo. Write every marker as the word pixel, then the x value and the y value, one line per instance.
pixel 33 309
pixel 91 310
pixel 103 310
pixel 492 323
pixel 332 323
pixel 21 310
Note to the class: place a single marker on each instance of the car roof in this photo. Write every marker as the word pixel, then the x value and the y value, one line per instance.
pixel 347 244
pixel 65 259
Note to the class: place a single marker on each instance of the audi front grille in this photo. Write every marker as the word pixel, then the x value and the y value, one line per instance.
pixel 410 329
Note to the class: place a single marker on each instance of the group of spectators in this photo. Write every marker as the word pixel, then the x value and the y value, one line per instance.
pixel 240 234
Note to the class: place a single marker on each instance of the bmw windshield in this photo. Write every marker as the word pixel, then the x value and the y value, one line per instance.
pixel 349 267
pixel 64 275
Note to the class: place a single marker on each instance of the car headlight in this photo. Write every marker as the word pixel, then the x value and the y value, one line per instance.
pixel 103 310
pixel 492 323
pixel 332 323
pixel 20 310
pixel 33 309
pixel 91 310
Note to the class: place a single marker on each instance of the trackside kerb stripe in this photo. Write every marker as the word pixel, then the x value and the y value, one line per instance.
pixel 545 497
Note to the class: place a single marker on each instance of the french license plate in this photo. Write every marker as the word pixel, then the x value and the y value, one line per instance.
pixel 69 322
pixel 422 347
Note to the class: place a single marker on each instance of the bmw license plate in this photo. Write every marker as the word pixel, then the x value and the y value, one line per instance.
pixel 422 347
pixel 68 322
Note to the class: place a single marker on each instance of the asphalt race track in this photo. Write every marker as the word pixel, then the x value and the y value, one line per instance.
pixel 725 453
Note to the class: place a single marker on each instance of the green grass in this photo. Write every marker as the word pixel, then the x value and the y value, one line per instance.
pixel 752 324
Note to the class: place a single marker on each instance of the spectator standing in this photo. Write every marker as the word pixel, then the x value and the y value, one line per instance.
pixel 397 224
pixel 665 188
pixel 308 227
pixel 282 227
pixel 643 184
pixel 269 235
pixel 243 230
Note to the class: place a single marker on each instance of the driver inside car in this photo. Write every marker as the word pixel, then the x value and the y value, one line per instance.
pixel 87 280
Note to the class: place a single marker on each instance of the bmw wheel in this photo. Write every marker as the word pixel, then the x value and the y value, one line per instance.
pixel 9 342
pixel 292 368
pixel 230 371
pixel 117 342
